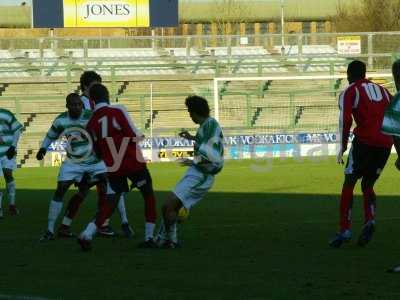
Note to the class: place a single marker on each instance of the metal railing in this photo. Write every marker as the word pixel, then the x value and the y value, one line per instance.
pixel 376 48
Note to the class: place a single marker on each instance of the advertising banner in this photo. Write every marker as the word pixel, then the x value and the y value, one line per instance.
pixel 106 13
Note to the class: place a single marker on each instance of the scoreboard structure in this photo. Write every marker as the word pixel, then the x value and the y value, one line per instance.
pixel 104 13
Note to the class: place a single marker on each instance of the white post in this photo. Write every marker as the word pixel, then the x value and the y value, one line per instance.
pixel 151 120
pixel 216 99
pixel 282 29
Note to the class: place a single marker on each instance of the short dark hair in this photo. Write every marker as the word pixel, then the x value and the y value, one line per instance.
pixel 99 93
pixel 72 96
pixel 198 105
pixel 88 77
pixel 357 69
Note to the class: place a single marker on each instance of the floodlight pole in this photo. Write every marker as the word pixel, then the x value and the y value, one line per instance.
pixel 282 28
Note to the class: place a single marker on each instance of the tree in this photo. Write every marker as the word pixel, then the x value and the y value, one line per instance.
pixel 368 15
pixel 232 12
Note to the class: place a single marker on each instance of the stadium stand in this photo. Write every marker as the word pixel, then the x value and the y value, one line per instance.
pixel 35 81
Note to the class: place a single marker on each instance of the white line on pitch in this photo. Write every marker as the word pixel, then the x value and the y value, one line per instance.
pixel 24 297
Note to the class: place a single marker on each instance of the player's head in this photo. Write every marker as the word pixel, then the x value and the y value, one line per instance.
pixel 89 78
pixel 198 108
pixel 396 73
pixel 74 105
pixel 99 93
pixel 356 70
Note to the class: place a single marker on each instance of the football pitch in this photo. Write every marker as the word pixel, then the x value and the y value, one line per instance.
pixel 261 233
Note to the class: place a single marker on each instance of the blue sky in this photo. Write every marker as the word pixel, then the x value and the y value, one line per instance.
pixel 14 2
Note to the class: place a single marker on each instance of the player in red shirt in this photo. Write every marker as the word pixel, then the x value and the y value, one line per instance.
pixel 365 102
pixel 116 141
pixel 87 79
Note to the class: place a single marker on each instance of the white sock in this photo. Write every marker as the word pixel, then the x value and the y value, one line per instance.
pixel 90 231
pixel 54 211
pixel 67 221
pixel 106 223
pixel 122 209
pixel 149 231
pixel 173 234
pixel 11 192
pixel 161 235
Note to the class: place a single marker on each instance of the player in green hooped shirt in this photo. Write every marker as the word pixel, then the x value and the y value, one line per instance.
pixel 10 130
pixel 391 123
pixel 199 178
pixel 391 120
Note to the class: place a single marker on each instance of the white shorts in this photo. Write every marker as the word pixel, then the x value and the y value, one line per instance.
pixel 6 163
pixel 193 187
pixel 74 172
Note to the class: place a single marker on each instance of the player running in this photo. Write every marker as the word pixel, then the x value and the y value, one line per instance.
pixel 87 79
pixel 81 163
pixel 116 141
pixel 10 130
pixel 199 178
pixel 366 102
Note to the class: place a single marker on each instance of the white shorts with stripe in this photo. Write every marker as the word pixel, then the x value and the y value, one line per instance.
pixel 193 187
pixel 71 171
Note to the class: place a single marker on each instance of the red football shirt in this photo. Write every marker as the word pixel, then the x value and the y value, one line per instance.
pixel 115 139
pixel 366 102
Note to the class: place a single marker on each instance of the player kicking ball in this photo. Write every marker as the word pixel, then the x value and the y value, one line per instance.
pixel 116 141
pixel 10 130
pixel 81 165
pixel 199 178
pixel 366 102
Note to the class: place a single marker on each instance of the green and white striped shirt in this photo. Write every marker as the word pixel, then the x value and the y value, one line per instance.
pixel 391 120
pixel 79 144
pixel 9 131
pixel 209 147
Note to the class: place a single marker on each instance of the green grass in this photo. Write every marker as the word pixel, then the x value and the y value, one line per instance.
pixel 261 233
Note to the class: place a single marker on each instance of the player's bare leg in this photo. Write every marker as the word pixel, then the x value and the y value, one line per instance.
pixel 55 208
pixel 346 205
pixel 10 187
pixel 168 231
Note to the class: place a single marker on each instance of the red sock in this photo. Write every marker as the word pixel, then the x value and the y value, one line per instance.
pixel 346 204
pixel 150 211
pixel 73 206
pixel 105 211
pixel 369 204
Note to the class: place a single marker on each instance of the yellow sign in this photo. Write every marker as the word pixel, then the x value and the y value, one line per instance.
pixel 57 159
pixel 349 44
pixel 106 13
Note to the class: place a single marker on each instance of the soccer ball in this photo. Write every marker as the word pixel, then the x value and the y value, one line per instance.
pixel 183 214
